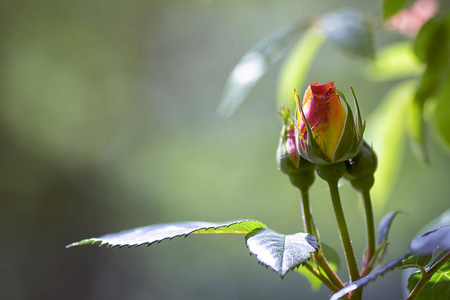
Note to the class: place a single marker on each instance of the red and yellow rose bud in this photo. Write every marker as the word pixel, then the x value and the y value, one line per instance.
pixel 327 132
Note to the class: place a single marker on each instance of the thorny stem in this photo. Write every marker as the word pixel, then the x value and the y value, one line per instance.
pixel 318 257
pixel 370 227
pixel 345 236
pixel 426 276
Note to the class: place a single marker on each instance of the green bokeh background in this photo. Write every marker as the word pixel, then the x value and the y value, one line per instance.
pixel 108 122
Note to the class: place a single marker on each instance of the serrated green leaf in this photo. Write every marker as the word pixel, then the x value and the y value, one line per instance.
pixel 438 288
pixel 414 261
pixel 350 31
pixel 159 232
pixel 297 64
pixel 386 133
pixel 395 61
pixel 391 7
pixel 332 258
pixel 254 64
pixel 280 252
pixel 365 280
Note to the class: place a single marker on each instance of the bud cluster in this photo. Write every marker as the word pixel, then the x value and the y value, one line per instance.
pixel 324 133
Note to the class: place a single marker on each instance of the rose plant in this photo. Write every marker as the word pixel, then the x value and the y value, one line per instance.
pixel 323 137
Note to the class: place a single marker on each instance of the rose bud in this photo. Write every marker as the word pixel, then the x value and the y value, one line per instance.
pixel 299 170
pixel 326 132
pixel 360 169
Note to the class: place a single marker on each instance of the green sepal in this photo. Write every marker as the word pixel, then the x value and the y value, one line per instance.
pixel 312 152
pixel 360 125
pixel 350 134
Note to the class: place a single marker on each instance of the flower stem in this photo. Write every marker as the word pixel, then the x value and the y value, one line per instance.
pixel 322 278
pixel 343 230
pixel 306 211
pixel 427 276
pixel 310 228
pixel 370 227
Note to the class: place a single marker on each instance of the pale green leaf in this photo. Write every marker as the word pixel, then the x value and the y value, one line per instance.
pixel 159 232
pixel 293 72
pixel 386 133
pixel 395 61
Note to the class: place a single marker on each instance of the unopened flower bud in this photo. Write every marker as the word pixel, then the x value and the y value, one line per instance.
pixel 327 133
pixel 299 170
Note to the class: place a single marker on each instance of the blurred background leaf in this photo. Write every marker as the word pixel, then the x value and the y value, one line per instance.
pixel 391 7
pixel 387 132
pixel 435 32
pixel 297 64
pixel 254 64
pixel 441 113
pixel 350 31
pixel 395 61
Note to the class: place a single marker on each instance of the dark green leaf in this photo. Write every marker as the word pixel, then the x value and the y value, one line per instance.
pixel 385 225
pixel 428 242
pixel 350 31
pixel 437 288
pixel 431 42
pixel 159 232
pixel 391 7
pixel 332 258
pixel 365 280
pixel 280 252
pixel 432 46
pixel 254 64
